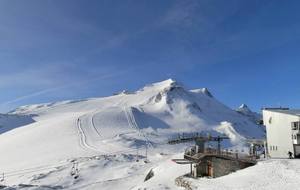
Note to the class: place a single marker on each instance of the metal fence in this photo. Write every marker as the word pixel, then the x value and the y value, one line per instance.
pixel 212 151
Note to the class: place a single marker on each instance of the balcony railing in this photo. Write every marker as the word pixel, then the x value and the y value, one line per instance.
pixel 225 153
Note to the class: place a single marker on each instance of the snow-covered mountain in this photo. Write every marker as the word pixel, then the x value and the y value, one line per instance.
pixel 164 108
pixel 245 110
pixel 58 133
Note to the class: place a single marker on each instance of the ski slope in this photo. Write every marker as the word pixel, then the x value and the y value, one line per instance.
pixel 110 134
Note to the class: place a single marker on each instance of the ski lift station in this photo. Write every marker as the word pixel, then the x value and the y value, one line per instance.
pixel 283 132
pixel 211 162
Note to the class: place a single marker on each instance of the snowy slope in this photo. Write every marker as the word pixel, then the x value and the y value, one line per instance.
pixel 266 175
pixel 123 124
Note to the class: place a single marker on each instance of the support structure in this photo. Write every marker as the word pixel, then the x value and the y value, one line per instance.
pixel 256 145
pixel 200 141
pixel 212 162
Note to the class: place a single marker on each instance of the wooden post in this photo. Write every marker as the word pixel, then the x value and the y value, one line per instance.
pixel 209 169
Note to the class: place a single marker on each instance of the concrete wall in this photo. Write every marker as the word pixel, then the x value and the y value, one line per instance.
pixel 220 166
pixel 279 133
pixel 223 167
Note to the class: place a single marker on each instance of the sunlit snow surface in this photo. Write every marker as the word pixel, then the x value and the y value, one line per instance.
pixel 102 136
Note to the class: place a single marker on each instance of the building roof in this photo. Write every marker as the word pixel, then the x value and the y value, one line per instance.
pixel 286 111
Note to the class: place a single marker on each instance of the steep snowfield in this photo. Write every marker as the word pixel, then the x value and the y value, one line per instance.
pixel 121 126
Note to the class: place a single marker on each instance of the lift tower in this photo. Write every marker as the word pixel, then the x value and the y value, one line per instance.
pixel 200 141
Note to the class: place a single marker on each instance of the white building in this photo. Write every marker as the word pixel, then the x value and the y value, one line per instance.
pixel 283 132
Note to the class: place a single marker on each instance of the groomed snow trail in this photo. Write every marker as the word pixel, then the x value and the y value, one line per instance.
pixel 93 124
pixel 83 137
pixel 90 137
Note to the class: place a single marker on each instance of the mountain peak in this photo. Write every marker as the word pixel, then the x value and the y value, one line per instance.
pixel 245 110
pixel 166 83
pixel 207 92
pixel 243 106
pixel 204 91
pixel 162 85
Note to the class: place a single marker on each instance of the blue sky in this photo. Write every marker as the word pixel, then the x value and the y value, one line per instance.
pixel 243 51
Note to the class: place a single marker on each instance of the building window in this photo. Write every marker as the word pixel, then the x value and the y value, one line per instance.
pixel 276 148
pixel 270 147
pixel 295 125
pixel 294 136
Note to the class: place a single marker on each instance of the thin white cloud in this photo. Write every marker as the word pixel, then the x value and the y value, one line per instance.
pixel 47 75
pixel 35 94
pixel 29 77
pixel 45 91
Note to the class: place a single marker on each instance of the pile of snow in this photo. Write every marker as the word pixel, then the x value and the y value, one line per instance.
pixel 123 124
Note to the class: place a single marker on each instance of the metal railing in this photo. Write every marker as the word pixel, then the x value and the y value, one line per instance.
pixel 212 151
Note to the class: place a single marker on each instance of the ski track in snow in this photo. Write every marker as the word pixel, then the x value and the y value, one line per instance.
pixel 93 124
pixel 83 137
pixel 132 123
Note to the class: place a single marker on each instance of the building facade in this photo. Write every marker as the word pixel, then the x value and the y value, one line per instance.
pixel 283 132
